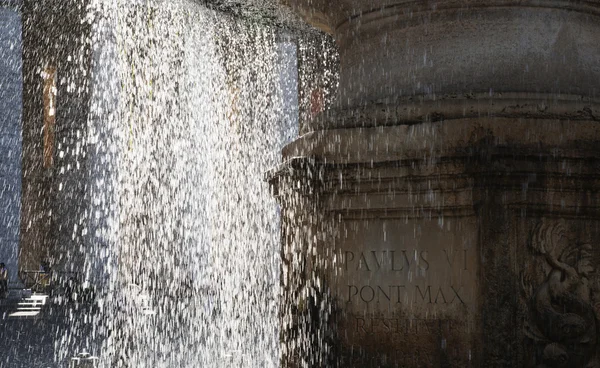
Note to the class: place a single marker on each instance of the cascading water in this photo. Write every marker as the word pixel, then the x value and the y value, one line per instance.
pixel 442 213
pixel 152 206
pixel 187 115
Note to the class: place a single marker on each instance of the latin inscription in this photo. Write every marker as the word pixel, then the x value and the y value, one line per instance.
pixel 400 260
pixel 411 285
pixel 403 262
pixel 402 293
pixel 405 326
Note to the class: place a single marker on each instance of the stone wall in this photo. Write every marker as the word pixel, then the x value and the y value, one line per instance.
pixel 444 212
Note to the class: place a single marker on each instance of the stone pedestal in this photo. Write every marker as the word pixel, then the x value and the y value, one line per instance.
pixel 445 212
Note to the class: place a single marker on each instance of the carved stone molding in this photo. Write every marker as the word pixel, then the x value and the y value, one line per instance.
pixel 555 138
pixel 393 49
pixel 331 15
pixel 458 124
pixel 423 109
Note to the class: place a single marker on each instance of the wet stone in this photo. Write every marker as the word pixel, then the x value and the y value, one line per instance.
pixel 445 211
pixel 409 284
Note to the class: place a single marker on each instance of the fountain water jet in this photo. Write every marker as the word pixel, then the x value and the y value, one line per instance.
pixel 157 191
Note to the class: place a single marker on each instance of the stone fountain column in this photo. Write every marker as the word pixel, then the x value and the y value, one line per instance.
pixel 445 213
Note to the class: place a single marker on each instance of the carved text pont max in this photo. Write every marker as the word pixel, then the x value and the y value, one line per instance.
pixel 399 263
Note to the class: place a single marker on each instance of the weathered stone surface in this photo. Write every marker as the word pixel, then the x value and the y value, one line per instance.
pixel 352 229
pixel 443 214
pixel 411 48
pixel 408 287
pixel 560 291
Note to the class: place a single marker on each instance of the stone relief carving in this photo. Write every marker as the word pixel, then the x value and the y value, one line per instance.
pixel 561 293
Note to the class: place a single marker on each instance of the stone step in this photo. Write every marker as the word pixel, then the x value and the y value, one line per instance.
pixel 32 301
pixel 29 306
pixel 23 314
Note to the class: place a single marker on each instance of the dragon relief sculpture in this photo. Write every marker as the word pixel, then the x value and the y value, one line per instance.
pixel 563 321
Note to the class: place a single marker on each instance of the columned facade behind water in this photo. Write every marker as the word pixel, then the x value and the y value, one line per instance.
pixel 56 66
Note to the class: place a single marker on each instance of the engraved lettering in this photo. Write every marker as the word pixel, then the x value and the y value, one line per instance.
pixel 387 296
pixel 363 260
pixel 398 287
pixel 387 324
pixel 424 296
pixel 377 262
pixel 347 259
pixel 448 258
pixel 415 326
pixel 350 294
pixel 437 297
pixel 374 322
pixel 393 252
pixel 367 287
pixel 408 262
pixel 424 259
pixel 456 295
pixel 360 325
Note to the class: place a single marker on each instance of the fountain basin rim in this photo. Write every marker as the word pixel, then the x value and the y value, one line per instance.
pixel 461 137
